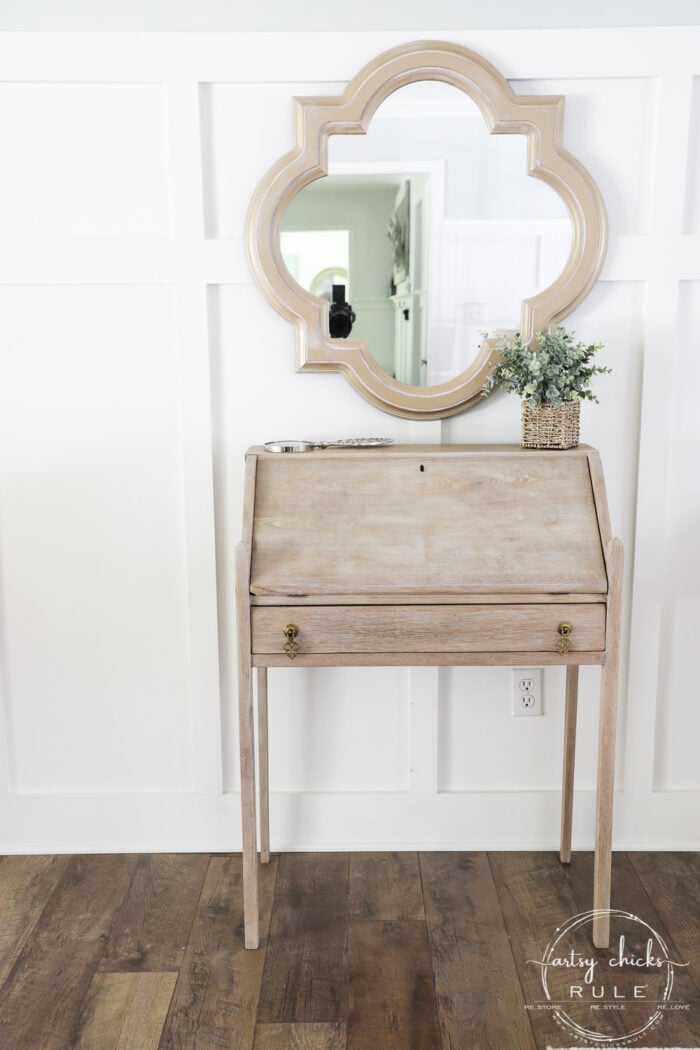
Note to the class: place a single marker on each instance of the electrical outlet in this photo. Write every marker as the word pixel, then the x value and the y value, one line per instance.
pixel 527 691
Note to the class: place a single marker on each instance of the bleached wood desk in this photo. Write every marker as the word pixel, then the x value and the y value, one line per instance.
pixel 413 555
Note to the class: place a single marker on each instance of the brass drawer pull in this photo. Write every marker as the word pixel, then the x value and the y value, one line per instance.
pixel 291 646
pixel 564 630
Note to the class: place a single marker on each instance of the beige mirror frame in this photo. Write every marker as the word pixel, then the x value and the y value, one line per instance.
pixel 538 117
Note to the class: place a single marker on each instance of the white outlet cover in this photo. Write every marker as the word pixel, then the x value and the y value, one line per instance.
pixel 528 692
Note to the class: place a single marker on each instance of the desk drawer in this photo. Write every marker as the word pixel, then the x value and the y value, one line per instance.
pixel 427 628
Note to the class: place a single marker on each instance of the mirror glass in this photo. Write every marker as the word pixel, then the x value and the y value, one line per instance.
pixel 425 233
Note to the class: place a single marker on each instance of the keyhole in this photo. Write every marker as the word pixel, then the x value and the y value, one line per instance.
pixel 422 468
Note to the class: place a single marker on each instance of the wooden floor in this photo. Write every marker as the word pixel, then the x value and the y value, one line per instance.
pixel 364 951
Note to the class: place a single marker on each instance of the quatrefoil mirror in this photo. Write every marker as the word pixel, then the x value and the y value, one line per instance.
pixel 403 227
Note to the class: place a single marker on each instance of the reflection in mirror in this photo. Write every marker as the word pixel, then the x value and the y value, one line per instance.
pixel 316 258
pixel 432 227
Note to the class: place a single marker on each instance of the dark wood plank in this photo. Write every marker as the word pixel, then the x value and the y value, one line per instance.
pixel 26 883
pixel 216 997
pixel 479 995
pixel 672 880
pixel 678 1027
pixel 301 1037
pixel 536 897
pixel 124 1011
pixel 305 976
pixel 41 1000
pixel 152 926
pixel 385 886
pixel 391 990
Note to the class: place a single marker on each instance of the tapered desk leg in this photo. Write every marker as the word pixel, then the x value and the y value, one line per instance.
pixel 250 846
pixel 246 740
pixel 604 805
pixel 263 768
pixel 606 751
pixel 567 790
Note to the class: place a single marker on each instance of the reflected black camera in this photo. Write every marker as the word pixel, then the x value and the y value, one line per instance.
pixel 342 315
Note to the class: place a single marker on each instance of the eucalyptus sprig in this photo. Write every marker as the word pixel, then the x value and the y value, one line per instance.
pixel 559 370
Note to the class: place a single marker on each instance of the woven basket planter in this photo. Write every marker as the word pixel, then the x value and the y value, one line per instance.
pixel 547 427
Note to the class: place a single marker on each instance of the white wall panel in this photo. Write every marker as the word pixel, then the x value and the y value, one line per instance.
pixel 678 722
pixel 692 201
pixel 342 729
pixel 92 545
pixel 83 160
pixel 678 719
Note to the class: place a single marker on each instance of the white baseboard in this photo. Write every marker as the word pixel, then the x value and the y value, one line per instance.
pixel 324 821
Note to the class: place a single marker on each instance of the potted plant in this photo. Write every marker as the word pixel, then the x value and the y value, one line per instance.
pixel 551 380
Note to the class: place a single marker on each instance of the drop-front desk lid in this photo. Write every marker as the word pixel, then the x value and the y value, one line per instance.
pixel 426 520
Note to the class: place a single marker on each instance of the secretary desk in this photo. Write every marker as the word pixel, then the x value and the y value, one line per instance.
pixel 437 555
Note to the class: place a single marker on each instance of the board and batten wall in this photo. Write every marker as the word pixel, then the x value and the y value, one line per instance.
pixel 137 363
